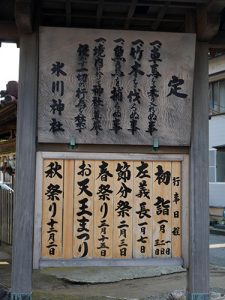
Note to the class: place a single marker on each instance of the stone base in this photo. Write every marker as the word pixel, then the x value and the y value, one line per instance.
pixel 197 296
pixel 18 296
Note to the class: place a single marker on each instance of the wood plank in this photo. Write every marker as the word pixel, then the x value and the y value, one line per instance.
pixel 24 15
pixel 68 12
pixel 113 156
pixel 190 22
pixel 130 13
pixel 68 209
pixel 52 208
pixel 160 16
pixel 23 219
pixel 185 211
pixel 123 203
pixel 38 211
pixel 173 112
pixel 99 13
pixel 176 209
pixel 9 32
pixel 142 209
pixel 161 209
pixel 198 275
pixel 208 20
pixel 83 208
pixel 103 209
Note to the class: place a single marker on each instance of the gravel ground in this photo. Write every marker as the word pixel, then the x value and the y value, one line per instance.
pixel 165 287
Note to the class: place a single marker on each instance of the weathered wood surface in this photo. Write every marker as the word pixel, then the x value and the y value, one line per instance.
pixel 103 206
pixel 162 210
pixel 83 209
pixel 6 216
pixel 9 32
pixel 173 113
pixel 208 20
pixel 142 212
pixel 198 275
pixel 52 209
pixel 25 168
pixel 24 15
pixel 68 206
pixel 123 207
pixel 176 209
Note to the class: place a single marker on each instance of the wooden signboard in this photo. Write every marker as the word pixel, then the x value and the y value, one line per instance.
pixel 52 216
pixel 111 208
pixel 115 87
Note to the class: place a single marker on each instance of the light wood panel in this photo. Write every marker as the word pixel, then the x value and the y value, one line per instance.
pixel 123 204
pixel 83 208
pixel 162 209
pixel 103 209
pixel 142 209
pixel 114 208
pixel 52 195
pixel 176 209
pixel 68 209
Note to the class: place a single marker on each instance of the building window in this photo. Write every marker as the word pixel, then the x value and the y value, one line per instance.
pixel 217 97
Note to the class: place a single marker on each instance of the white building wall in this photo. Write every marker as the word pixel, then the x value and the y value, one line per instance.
pixel 216 138
pixel 217 131
pixel 216 65
pixel 212 165
pixel 217 194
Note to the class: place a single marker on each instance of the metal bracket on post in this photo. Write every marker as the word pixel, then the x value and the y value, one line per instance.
pixel 19 296
pixel 198 296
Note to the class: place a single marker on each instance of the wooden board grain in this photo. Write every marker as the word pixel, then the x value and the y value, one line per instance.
pixel 198 275
pixel 52 195
pixel 120 209
pixel 142 209
pixel 162 209
pixel 176 209
pixel 23 207
pixel 123 206
pixel 68 209
pixel 103 209
pixel 83 208
pixel 60 84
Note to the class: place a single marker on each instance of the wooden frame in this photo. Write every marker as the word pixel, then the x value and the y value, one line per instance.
pixel 38 262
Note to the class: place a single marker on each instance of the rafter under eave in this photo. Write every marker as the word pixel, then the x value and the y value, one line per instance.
pixel 24 15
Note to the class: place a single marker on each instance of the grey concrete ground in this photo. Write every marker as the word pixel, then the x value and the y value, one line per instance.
pixel 93 275
pixel 159 287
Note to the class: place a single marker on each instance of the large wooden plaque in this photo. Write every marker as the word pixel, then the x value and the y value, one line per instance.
pixel 115 87
pixel 122 209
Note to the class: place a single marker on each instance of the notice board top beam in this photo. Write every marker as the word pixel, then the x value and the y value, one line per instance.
pixel 111 156
pixel 169 16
